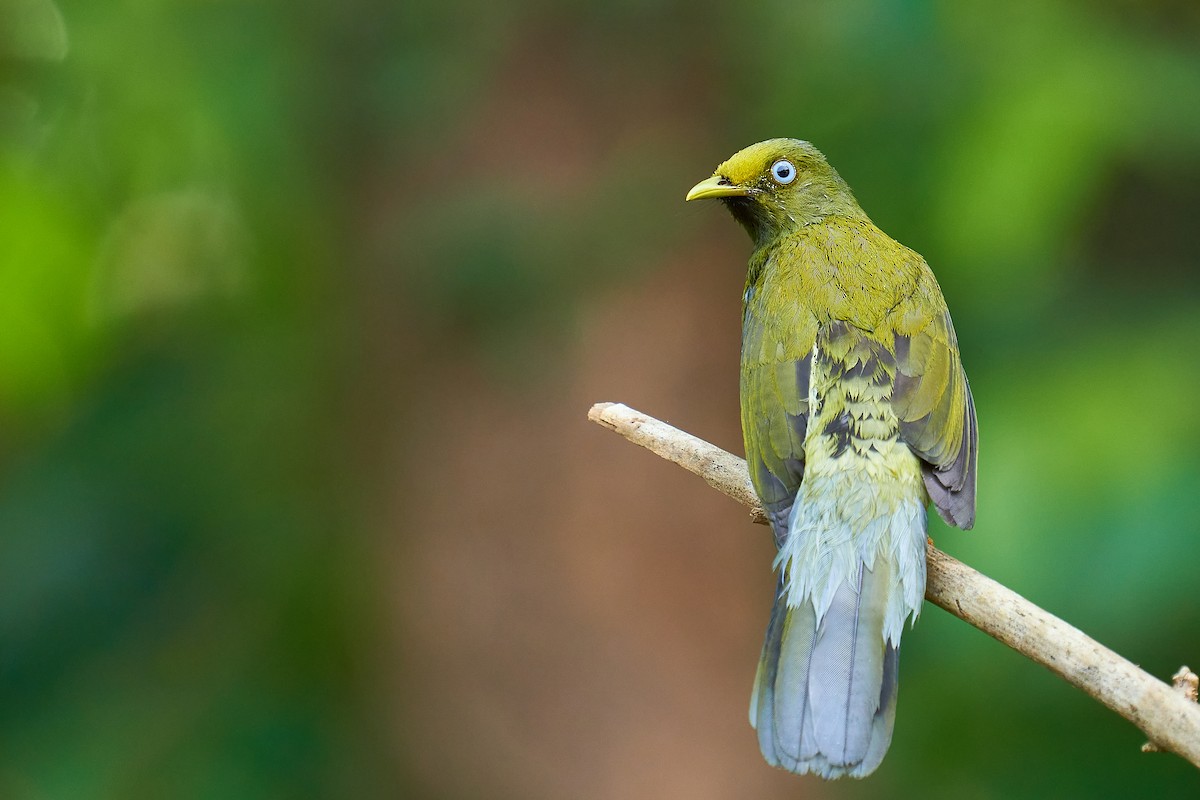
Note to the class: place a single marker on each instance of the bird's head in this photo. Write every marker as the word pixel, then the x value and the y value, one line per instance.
pixel 777 185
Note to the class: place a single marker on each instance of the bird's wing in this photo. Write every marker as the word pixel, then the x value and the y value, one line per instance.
pixel 774 421
pixel 936 412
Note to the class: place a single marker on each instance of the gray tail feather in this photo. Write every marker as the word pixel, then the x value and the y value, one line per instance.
pixel 825 696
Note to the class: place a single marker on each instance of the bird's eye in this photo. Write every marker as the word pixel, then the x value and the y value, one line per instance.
pixel 783 172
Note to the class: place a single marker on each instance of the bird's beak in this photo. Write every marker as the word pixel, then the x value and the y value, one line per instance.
pixel 716 186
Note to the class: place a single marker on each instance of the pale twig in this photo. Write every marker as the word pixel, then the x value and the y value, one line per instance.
pixel 1165 714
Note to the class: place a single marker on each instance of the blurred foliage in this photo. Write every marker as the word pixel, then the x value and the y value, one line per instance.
pixel 179 618
pixel 215 217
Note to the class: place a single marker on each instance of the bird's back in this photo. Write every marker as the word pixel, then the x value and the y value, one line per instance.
pixel 847 498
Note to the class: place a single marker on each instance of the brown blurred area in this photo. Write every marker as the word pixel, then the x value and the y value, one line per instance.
pixel 574 617
pixel 587 624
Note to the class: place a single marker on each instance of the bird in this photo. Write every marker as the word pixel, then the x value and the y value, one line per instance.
pixel 856 415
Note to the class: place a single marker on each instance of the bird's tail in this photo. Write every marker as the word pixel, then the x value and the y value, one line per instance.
pixel 825 694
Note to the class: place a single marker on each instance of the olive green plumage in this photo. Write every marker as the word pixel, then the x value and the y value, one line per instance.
pixel 856 413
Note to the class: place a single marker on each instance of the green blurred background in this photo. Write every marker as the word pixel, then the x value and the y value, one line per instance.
pixel 302 306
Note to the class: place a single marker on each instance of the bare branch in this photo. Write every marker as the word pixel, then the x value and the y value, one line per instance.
pixel 1168 717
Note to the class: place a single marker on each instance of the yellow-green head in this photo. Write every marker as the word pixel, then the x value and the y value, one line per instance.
pixel 777 185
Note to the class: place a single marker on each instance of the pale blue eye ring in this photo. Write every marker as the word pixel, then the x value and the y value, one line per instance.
pixel 783 172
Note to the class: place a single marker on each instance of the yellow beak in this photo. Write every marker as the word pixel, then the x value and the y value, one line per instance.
pixel 716 186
